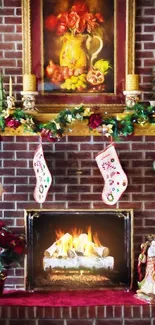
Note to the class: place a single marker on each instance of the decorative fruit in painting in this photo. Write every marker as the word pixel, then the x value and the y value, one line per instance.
pixel 75 82
pixel 50 69
pixel 95 77
pixel 102 65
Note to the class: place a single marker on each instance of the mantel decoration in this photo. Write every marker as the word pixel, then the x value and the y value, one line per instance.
pixel 55 129
pixel 12 248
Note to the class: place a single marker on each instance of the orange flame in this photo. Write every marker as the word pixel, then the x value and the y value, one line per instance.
pixel 74 240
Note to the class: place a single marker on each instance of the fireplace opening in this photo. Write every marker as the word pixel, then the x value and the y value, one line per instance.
pixel 79 249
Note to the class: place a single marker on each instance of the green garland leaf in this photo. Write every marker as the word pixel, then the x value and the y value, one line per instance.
pixel 55 128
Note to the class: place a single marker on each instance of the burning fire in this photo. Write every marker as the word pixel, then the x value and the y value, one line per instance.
pixel 77 242
pixel 77 250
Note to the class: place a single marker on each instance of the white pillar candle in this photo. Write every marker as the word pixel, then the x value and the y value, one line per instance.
pixel 29 82
pixel 132 82
pixel 10 87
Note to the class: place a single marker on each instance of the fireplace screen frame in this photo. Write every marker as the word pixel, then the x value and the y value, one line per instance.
pixel 32 214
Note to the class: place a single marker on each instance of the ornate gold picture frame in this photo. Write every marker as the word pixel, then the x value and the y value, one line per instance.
pixel 39 32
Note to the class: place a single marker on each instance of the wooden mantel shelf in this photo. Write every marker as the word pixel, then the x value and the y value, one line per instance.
pixel 79 128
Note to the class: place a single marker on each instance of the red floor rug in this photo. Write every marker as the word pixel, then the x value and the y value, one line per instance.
pixel 70 298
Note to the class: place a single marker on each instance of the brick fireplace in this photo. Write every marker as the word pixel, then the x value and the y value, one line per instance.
pixel 79 249
pixel 77 182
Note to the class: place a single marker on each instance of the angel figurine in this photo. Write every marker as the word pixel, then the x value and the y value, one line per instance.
pixel 147 257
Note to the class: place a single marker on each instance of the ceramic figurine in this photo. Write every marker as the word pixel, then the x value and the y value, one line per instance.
pixel 147 257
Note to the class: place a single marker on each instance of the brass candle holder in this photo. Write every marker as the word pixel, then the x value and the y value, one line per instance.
pixel 132 91
pixel 10 102
pixel 28 99
pixel 131 97
pixel 10 99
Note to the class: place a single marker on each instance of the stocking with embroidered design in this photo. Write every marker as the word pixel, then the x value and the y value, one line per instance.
pixel 43 176
pixel 115 179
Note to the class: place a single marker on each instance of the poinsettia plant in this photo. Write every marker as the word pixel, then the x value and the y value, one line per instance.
pixel 77 20
pixel 12 248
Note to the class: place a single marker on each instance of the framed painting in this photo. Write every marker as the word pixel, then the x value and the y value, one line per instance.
pixel 80 51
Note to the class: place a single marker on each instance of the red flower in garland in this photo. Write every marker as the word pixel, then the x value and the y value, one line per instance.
pixel 12 122
pixel 49 135
pixel 94 121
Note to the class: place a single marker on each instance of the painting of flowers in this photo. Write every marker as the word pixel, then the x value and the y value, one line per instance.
pixel 78 46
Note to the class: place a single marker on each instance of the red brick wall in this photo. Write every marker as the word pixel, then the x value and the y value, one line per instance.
pixel 77 182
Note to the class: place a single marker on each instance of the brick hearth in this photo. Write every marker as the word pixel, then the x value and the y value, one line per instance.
pixel 98 315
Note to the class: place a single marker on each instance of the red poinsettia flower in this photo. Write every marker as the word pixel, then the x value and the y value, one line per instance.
pixel 18 245
pixel 1 224
pixel 12 122
pixel 94 121
pixel 6 238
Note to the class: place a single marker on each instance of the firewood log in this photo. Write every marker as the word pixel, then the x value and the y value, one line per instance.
pixel 65 242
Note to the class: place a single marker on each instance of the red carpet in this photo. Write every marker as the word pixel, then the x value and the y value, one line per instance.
pixel 70 298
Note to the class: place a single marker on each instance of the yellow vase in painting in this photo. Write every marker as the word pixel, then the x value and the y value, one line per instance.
pixel 73 53
pixel 76 53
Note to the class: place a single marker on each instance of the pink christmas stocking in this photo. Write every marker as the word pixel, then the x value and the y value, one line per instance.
pixel 43 176
pixel 113 174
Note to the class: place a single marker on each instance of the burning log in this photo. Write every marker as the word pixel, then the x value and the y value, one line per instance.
pixel 60 246
pixel 101 251
pixel 79 262
pixel 81 244
pixel 66 246
pixel 71 253
pixel 92 249
pixel 51 250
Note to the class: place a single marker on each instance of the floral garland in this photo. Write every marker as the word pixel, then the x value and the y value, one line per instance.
pixel 12 247
pixel 55 128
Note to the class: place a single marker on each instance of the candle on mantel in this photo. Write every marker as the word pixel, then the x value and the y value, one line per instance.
pixel 132 82
pixel 29 82
pixel 10 87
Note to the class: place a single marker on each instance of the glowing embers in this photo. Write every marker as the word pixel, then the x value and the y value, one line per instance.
pixel 77 250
